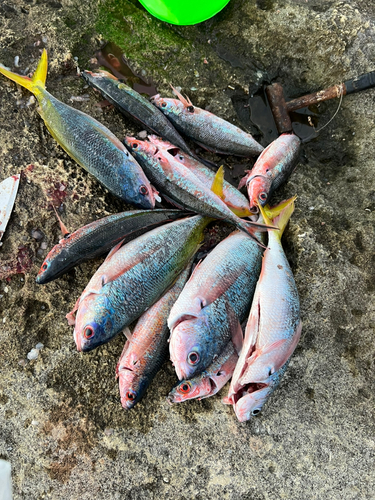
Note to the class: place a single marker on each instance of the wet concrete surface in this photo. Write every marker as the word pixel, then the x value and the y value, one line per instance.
pixel 62 426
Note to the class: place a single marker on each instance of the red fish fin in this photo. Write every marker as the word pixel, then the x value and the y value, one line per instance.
pixel 128 334
pixel 240 212
pixel 63 228
pixel 71 315
pixel 185 100
pixel 114 250
pixel 227 400
pixel 235 328
pixel 244 179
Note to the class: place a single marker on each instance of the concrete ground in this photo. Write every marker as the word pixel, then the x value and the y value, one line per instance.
pixel 62 426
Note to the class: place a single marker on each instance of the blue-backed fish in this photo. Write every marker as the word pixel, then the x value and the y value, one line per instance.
pixel 98 237
pixel 132 278
pixel 207 129
pixel 88 142
pixel 216 299
pixel 147 346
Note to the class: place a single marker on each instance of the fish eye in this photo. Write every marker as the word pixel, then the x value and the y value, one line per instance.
pixel 181 158
pixel 263 196
pixel 44 267
pixel 163 104
pixel 190 109
pixel 143 190
pixel 130 395
pixel 193 358
pixel 256 411
pixel 134 145
pixel 88 332
pixel 184 388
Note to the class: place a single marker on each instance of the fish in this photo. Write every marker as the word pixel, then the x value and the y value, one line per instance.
pixel 250 401
pixel 132 279
pixel 183 188
pixel 210 381
pixel 88 142
pixel 272 168
pixel 274 325
pixel 231 196
pixel 205 128
pixel 147 347
pixel 98 237
pixel 8 193
pixel 216 299
pixel 135 106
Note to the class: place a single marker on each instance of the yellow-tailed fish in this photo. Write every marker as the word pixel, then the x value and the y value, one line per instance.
pixel 88 142
pixel 273 329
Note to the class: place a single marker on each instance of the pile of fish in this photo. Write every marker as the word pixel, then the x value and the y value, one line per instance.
pixel 191 312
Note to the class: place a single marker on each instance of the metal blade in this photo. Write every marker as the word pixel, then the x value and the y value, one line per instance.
pixel 8 193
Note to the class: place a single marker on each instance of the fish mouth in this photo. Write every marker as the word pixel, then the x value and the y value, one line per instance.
pixel 247 389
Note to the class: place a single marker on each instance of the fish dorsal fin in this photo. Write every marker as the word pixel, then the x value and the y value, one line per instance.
pixel 63 228
pixel 217 184
pixel 114 250
pixel 185 100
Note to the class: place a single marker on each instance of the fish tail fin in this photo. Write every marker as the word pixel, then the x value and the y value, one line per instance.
pixel 279 215
pixel 218 183
pixel 33 84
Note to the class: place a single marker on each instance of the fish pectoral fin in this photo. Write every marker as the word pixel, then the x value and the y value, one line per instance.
pixel 156 194
pixel 227 400
pixel 235 328
pixel 128 334
pixel 173 202
pixel 243 181
pixel 71 318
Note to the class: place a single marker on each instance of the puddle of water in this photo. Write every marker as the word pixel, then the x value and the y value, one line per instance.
pixel 111 57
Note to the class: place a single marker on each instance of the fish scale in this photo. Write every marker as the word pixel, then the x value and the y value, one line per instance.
pixel 162 254
pixel 147 348
pixel 206 128
pixel 213 303
pixel 88 142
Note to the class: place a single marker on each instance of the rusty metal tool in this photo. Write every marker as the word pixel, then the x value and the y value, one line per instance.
pixel 281 108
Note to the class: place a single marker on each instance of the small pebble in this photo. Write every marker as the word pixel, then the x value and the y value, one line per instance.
pixel 4 320
pixel 34 422
pixel 165 479
pixel 22 362
pixel 37 234
pixel 311 208
pixel 44 245
pixel 75 58
pixel 39 346
pixel 33 354
pixel 142 134
pixel 108 431
pixel 17 61
pixel 30 101
pixel 28 395
pixel 6 289
pixel 193 88
pixel 44 39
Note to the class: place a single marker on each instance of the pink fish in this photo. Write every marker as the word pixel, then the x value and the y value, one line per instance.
pixel 274 325
pixel 272 168
pixel 208 382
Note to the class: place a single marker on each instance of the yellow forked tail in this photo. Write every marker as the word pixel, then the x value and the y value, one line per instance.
pixel 36 82
pixel 279 215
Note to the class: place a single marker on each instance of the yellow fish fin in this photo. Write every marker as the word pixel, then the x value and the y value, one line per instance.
pixel 217 185
pixel 278 215
pixel 33 84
